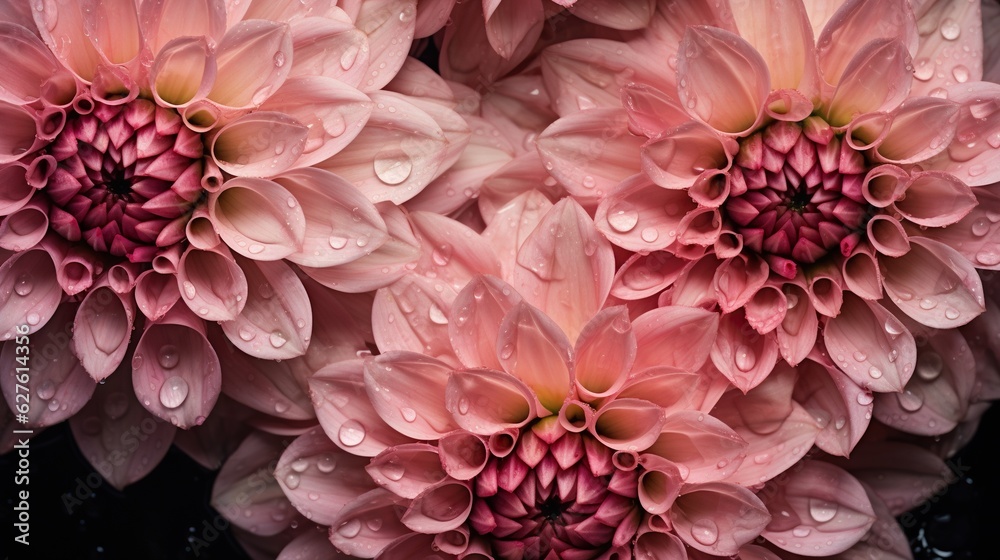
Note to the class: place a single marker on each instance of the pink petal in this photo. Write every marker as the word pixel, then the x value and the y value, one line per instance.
pixel 888 237
pixel 876 79
pixel 744 357
pixel 17 191
pixel 721 79
pixel 766 310
pixel 978 248
pixel 717 517
pixel 641 216
pixel 826 291
pixel 40 370
pixel 245 491
pixel 671 389
pixel 341 326
pixel 102 330
pixel 967 157
pixel 909 138
pixel 628 424
pixel 352 533
pixel 605 352
pixel 797 332
pixel 441 507
pixel 166 20
pixel 63 28
pixel 31 67
pixel 532 348
pixel 935 199
pixel 840 407
pixel 259 144
pixel 451 253
pixel 407 391
pixel 959 27
pixel 318 41
pixel 509 24
pixel 388 24
pixel 737 280
pixel 486 402
pixel 681 156
pixel 29 292
pixel 156 293
pixel 655 545
pixel 854 25
pixel 311 544
pixel 113 28
pixel 346 413
pixel 463 455
pixel 432 15
pixel 318 478
pixel 781 33
pixel 590 151
pixel 20 128
pixel 659 484
pixel 212 283
pixel 276 321
pixel 332 112
pixel 258 219
pixel 466 55
pixel 565 254
pixel 674 336
pixel 870 345
pixel 212 442
pixel 616 15
pixel 862 274
pixel 642 276
pixel 117 436
pixel 175 371
pixel 183 72
pixel 511 225
pixel 24 226
pixel 705 448
pixel 411 315
pixel 254 59
pixel 651 112
pixel 481 307
pixel 831 508
pixel 407 470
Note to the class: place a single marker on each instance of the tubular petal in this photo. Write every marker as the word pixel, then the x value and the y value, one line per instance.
pixel 156 293
pixel 835 402
pixel 182 72
pixel 509 24
pixel 708 449
pixel 113 27
pixel 781 33
pixel 260 144
pixel 166 20
pixel 854 24
pixel 406 470
pixel 351 531
pixel 258 219
pixel 744 357
pixel 921 127
pixel 935 199
pixel 441 507
pixel 628 424
pixel 212 284
pixel 677 158
pixel 605 352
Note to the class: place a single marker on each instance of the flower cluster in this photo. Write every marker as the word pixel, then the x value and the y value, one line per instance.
pixel 515 279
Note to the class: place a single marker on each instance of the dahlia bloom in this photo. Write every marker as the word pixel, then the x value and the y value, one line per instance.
pixel 170 165
pixel 803 167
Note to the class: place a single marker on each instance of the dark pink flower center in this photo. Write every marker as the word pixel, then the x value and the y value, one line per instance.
pixel 126 178
pixel 796 192
pixel 559 500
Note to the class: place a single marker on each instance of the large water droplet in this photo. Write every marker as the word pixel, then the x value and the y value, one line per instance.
pixel 923 69
pixel 950 29
pixel 408 414
pixel 929 366
pixel 279 59
pixel 350 529
pixel 24 285
pixel 865 398
pixel 394 169
pixel 874 372
pixel 326 464
pixel 173 392
pixel 910 401
pixel 436 315
pixel 980 227
pixel 292 481
pixel 893 327
pixel 46 390
pixel 189 290
pixel 822 510
pixel 650 235
pixel 463 405
pixel 277 339
pixel 349 57
pixel 300 465
pixel 168 356
pixel 745 358
pixel 960 73
pixel 393 471
pixel 622 217
pixel 351 433
pixel 705 531
pixel 338 242
pixel 988 256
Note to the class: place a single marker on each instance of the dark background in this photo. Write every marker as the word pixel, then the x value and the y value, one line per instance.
pixel 156 517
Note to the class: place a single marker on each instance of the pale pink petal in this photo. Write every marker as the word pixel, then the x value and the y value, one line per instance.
pixel 276 320
pixel 885 540
pixel 604 353
pixel 565 254
pixel 862 274
pixel 954 28
pixel 854 25
pixel 870 345
pixel 63 28
pixel 876 79
pixel 341 327
pixel 352 533
pixel 389 24
pixel 979 248
pixel 442 507
pixel 909 139
pixel 672 389
pixel 641 216
pixel 183 72
pixel 826 291
pixel 721 79
pixel 407 391
pixel 680 337
pixel 511 225
pixel 627 424
pixel 705 448
pixel 840 407
pixel 781 33
pixel 102 330
pixel 532 348
pixel 254 59
pixel 156 293
pixel 718 518
pixel 31 68
pixel 411 315
pixel 903 475
pixel 212 284
pixel 588 73
pixel 318 478
pixel 935 285
pixel 432 15
pixel 466 54
pixel 935 199
pixel 407 470
pixel 258 219
pixel 742 355
pixel 259 144
pixel 766 309
pixel 20 128
pixel 678 158
pixel 486 402
pixel 797 332
pixel 416 79
pixel 25 226
pixel 117 436
pixel 737 280
pixel 463 455
pixel 659 484
pixel 332 112
pixel 331 48
pixel 40 377
pixel 655 545
pixel 651 112
pixel 590 151
pixel 346 413
pixel 480 306
pixel 380 267
pixel 642 276
pixel 616 15
pixel 29 292
pixel 888 237
pixel 175 371
pixel 295 10
pixel 212 442
pixel 113 27
pixel 969 158
pixel 166 20
pixel 400 150
pixel 828 510
pixel 246 493
pixel 451 253
pixel 510 23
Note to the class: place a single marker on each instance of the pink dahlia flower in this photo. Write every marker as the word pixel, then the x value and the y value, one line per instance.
pixel 170 165
pixel 803 167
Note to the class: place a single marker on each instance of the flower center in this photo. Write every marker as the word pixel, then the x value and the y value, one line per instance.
pixel 560 498
pixel 126 179
pixel 796 192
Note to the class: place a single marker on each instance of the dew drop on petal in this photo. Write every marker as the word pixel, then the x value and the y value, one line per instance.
pixel 801 532
pixel 705 531
pixel 650 235
pixel 961 74
pixel 326 464
pixel 463 405
pixel 338 242
pixel 279 59
pixel 300 465
pixel 980 227
pixel 923 69
pixel 374 524
pixel 280 407
pixel 351 433
pixel 350 529
pixel 874 372
pixel 822 510
pixel 436 315
pixel 408 414
pixel 929 366
pixel 745 358
pixel 950 29
pixel 951 313
pixel 349 57
pixel 46 390
pixel 840 423
pixel 247 334
pixel 865 398
pixel 277 339
pixel 988 256
pixel 910 401
pixel 860 356
pixel 393 170
pixel 189 290
pixel 168 356
pixel 292 481
pixel 33 319
pixel 393 471
pixel 23 285
pixel 622 217
pixel 173 392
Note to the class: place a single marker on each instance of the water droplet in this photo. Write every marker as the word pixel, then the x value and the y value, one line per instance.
pixel 277 339
pixel 463 405
pixel 33 319
pixel 375 523
pixel 247 334
pixel 705 531
pixel 349 57
pixel 350 529
pixel 279 59
pixel 23 285
pixel 929 366
pixel 189 290
pixel 115 405
pixel 588 182
pixel 910 401
pixel 860 356
pixel 980 227
pixel 326 464
pixel 865 398
pixel 46 390
pixel 961 74
pixel 507 351
pixel 840 423
pixel 393 170
pixel 256 248
pixel 762 458
pixel 168 356
pixel 745 358
pixel 292 481
pixel 951 313
pixel 927 304
pixel 622 217
pixel 436 315
pixel 281 407
pixel 53 406
pixel 173 392
pixel 351 433
pixel 822 510
pixel 950 29
pixel 923 69
pixel 338 242
pixel 393 471
pixel 988 256
pixel 408 414
pixel 893 327
pixel 300 465
pixel 874 372
pixel 649 235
